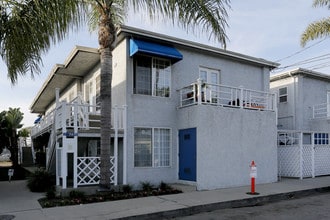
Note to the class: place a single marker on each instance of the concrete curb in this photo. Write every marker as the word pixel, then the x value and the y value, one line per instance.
pixel 248 202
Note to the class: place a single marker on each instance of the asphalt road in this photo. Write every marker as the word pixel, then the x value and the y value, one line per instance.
pixel 306 208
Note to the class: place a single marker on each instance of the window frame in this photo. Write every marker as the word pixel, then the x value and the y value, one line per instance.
pixel 209 72
pixel 321 138
pixel 153 139
pixel 211 92
pixel 152 83
pixel 98 93
pixel 283 95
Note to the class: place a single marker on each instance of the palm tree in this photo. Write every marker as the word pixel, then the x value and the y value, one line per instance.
pixel 49 20
pixel 24 133
pixel 14 118
pixel 3 130
pixel 317 29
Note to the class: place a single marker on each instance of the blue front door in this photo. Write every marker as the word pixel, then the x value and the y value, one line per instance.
pixel 187 154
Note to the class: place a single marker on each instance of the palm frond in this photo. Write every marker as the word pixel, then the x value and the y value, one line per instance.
pixel 30 29
pixel 14 118
pixel 115 10
pixel 321 3
pixel 196 15
pixel 315 30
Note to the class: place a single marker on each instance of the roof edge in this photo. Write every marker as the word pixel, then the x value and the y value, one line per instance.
pixel 57 67
pixel 298 71
pixel 123 31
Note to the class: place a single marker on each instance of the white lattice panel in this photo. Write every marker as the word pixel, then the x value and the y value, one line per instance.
pixel 88 170
pixel 315 158
pixel 289 160
pixel 307 161
pixel 112 169
pixel 322 160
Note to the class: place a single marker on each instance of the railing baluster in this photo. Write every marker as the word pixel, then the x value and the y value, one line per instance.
pixel 226 96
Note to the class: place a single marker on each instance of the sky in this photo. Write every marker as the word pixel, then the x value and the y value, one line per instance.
pixel 264 29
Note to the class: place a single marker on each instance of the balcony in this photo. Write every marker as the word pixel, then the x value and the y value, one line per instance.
pixel 227 96
pixel 321 111
pixel 76 114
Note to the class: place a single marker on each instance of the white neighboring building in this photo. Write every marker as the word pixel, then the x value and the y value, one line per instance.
pixel 303 122
pixel 188 113
pixel 303 100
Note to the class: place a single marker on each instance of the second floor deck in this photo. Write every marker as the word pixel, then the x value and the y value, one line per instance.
pixel 226 96
pixel 79 115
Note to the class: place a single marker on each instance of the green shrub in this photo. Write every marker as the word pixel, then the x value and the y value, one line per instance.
pixel 76 194
pixel 147 186
pixel 51 194
pixel 127 188
pixel 164 186
pixel 40 181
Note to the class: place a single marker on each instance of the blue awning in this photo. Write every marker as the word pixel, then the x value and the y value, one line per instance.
pixel 144 47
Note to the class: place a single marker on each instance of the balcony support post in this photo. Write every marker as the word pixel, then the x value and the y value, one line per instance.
pixel 199 91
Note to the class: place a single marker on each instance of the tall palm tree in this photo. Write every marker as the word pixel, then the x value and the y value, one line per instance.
pixel 24 133
pixel 49 20
pixel 14 119
pixel 317 29
pixel 3 130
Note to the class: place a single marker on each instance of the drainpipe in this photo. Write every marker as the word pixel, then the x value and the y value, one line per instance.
pixel 294 100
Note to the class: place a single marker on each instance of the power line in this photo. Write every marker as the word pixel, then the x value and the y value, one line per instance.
pixel 300 51
pixel 306 61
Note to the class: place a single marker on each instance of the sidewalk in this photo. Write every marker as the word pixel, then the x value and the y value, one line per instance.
pixel 18 202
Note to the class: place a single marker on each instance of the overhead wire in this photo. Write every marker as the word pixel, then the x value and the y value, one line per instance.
pixel 304 62
pixel 300 51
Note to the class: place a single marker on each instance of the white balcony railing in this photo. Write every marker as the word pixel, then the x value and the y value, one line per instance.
pixel 321 111
pixel 77 114
pixel 227 96
pixel 44 124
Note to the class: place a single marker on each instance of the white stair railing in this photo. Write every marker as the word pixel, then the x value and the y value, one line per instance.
pixel 50 153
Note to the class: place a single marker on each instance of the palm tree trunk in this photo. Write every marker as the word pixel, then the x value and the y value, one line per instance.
pixel 105 95
pixel 14 148
pixel 106 38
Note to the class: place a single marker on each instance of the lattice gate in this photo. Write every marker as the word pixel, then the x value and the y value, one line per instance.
pixel 88 170
pixel 303 154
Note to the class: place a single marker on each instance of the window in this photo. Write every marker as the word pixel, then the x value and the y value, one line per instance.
pixel 321 138
pixel 283 94
pixel 152 76
pixel 98 91
pixel 88 92
pixel 210 76
pixel 71 96
pixel 152 147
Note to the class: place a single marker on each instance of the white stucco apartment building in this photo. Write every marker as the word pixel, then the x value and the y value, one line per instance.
pixel 185 113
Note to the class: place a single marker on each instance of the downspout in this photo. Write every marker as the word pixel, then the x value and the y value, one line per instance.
pixel 294 100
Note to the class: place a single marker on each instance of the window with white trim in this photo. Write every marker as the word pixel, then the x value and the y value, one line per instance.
pixel 283 94
pixel 210 76
pixel 152 76
pixel 321 138
pixel 98 93
pixel 152 147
